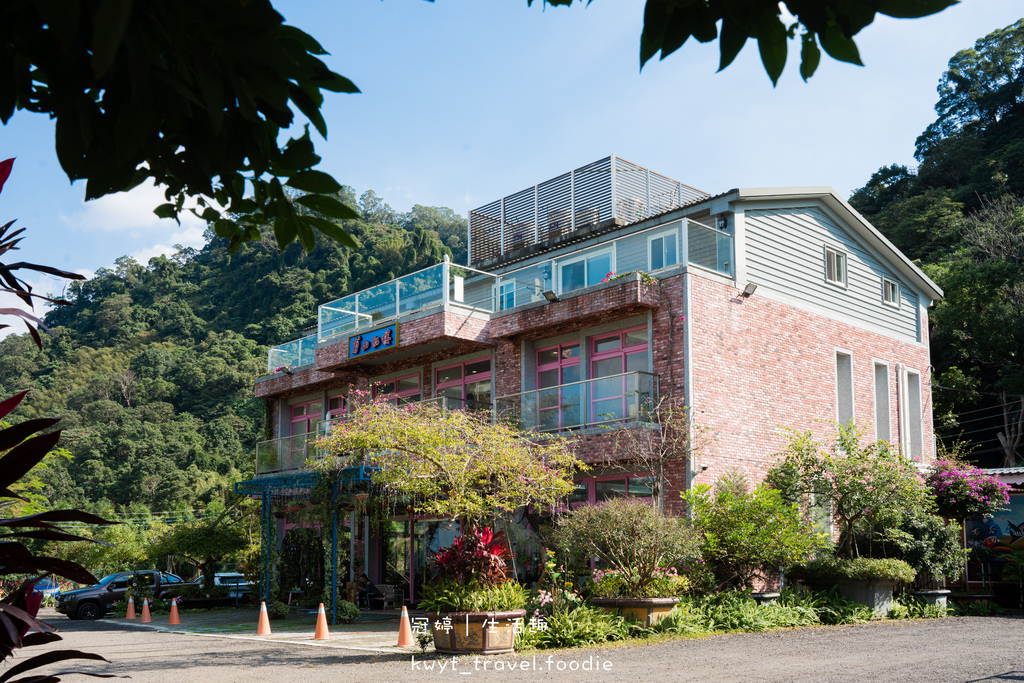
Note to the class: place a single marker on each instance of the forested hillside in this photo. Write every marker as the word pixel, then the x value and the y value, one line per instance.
pixel 959 215
pixel 152 366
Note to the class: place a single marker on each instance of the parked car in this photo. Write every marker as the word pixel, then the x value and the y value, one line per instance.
pixel 96 600
pixel 48 587
pixel 238 585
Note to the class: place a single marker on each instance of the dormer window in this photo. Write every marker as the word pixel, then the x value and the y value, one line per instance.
pixel 835 267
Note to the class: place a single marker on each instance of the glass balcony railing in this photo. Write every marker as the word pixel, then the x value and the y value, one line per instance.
pixel 284 454
pixel 293 354
pixel 709 248
pixel 445 285
pixel 628 397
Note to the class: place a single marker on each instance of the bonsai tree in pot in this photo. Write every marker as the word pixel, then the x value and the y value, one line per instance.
pixel 639 549
pixel 745 536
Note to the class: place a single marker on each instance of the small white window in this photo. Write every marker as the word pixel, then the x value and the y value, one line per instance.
pixel 890 292
pixel 506 295
pixel 835 266
pixel 663 251
pixel 883 427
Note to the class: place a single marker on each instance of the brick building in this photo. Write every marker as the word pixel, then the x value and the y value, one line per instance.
pixel 773 308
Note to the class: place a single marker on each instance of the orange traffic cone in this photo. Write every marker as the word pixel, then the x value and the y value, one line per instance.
pixel 405 629
pixel 322 633
pixel 263 628
pixel 145 612
pixel 131 609
pixel 174 613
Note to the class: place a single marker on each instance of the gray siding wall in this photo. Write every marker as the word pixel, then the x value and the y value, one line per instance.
pixel 785 252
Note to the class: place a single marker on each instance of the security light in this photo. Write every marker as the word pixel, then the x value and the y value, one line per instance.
pixel 749 289
pixel 550 296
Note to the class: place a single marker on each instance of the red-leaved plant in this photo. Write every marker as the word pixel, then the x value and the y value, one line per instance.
pixel 479 556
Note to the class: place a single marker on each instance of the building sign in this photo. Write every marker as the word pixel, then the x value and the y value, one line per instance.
pixel 365 343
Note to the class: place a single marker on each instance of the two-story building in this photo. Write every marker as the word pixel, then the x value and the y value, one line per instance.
pixel 774 307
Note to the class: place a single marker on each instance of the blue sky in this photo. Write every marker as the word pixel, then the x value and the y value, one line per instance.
pixel 465 101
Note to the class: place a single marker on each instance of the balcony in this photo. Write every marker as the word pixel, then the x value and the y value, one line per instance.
pixel 709 248
pixel 604 401
pixel 443 287
pixel 606 193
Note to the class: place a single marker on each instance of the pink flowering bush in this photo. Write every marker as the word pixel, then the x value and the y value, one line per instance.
pixel 961 490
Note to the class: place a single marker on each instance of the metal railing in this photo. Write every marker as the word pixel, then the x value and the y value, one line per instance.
pixel 610 189
pixel 284 454
pixel 709 248
pixel 628 397
pixel 292 354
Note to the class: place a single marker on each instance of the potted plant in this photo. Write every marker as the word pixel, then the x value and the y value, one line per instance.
pixel 638 548
pixel 869 581
pixel 472 605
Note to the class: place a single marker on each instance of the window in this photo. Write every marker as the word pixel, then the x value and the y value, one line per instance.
pixel 844 387
pixel 911 413
pixel 883 427
pixel 558 406
pixel 890 292
pixel 584 271
pixel 465 385
pixel 401 390
pixel 590 490
pixel 620 395
pixel 835 266
pixel 663 252
pixel 305 417
pixel 506 295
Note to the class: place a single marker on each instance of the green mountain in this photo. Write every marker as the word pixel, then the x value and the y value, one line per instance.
pixel 152 366
pixel 959 215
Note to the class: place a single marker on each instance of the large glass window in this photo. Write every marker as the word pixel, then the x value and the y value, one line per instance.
pixel 619 396
pixel 558 405
pixel 465 385
pixel 400 390
pixel 590 490
pixel 584 271
pixel 663 252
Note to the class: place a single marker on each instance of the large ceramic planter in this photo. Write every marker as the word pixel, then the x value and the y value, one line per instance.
pixel 648 611
pixel 875 594
pixel 475 632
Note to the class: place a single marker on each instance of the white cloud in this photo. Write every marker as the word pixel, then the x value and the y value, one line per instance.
pixel 132 213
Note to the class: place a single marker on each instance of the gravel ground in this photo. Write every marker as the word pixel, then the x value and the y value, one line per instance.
pixel 953 649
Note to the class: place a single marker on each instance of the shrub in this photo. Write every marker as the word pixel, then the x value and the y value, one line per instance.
pixel 448 596
pixel 630 536
pixel 961 490
pixel 746 535
pixel 860 569
pixel 583 626
pixel 478 556
pixel 346 612
pixel 907 606
pixel 666 583
pixel 926 542
pixel 277 610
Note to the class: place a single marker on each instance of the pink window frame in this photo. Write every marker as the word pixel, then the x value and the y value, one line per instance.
pixel 337 412
pixel 558 365
pixel 620 352
pixel 400 394
pixel 479 377
pixel 305 418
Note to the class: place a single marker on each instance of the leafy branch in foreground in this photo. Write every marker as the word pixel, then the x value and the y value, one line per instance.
pixel 668 24
pixel 192 94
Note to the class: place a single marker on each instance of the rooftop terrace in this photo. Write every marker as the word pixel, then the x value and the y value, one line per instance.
pixel 603 194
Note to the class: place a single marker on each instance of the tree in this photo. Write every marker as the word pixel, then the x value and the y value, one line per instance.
pixel 448 463
pixel 205 543
pixel 982 86
pixel 746 535
pixel 668 24
pixel 863 486
pixel 191 94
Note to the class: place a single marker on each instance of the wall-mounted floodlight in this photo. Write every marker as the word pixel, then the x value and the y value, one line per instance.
pixel 749 289
pixel 551 296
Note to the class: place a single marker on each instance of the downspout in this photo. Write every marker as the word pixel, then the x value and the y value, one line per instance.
pixel 688 376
